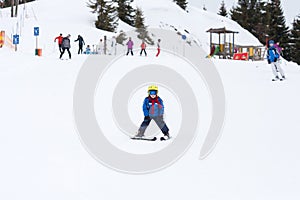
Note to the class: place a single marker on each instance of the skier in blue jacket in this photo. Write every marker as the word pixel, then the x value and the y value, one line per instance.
pixel 273 59
pixel 153 108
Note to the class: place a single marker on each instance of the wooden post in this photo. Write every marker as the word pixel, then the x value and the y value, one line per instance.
pixel 105 45
pixel 210 41
pixel 36 42
pixel 233 48
pixel 225 52
pixel 12 2
pixel 16 9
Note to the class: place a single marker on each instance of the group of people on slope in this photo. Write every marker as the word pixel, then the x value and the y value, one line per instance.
pixel 143 46
pixel 64 44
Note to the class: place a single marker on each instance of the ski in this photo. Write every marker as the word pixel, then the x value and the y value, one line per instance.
pixel 143 138
pixel 279 79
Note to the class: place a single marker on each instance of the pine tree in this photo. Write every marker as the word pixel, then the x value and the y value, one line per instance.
pixel 141 29
pixel 240 13
pixel 181 3
pixel 139 19
pixel 125 11
pixel 106 19
pixel 121 38
pixel 278 31
pixel 253 16
pixel 295 41
pixel 7 3
pixel 260 21
pixel 223 11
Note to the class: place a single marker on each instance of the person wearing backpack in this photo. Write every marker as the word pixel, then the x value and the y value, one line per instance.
pixel 273 59
pixel 66 45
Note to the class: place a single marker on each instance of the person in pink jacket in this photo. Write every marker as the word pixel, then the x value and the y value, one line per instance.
pixel 129 46
pixel 278 47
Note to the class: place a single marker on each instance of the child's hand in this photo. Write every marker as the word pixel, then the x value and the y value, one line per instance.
pixel 147 118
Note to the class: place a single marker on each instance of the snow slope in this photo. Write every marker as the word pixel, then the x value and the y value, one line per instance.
pixel 42 156
pixel 75 18
pixel 196 21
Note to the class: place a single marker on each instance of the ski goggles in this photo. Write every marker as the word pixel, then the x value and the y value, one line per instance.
pixel 152 92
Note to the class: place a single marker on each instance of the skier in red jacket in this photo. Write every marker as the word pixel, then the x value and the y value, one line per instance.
pixel 59 39
pixel 143 48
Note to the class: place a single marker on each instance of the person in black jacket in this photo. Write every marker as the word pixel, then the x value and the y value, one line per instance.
pixel 81 43
pixel 66 45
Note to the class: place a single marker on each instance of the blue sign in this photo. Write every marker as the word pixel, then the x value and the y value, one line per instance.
pixel 36 31
pixel 183 37
pixel 16 39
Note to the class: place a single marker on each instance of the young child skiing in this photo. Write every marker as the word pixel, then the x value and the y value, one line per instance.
pixel 273 59
pixel 143 48
pixel 158 47
pixel 129 46
pixel 87 50
pixel 153 108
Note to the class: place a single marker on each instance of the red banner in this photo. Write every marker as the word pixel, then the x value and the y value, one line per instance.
pixel 241 56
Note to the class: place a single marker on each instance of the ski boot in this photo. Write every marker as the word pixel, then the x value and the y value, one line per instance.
pixel 275 79
pixel 139 135
pixel 165 137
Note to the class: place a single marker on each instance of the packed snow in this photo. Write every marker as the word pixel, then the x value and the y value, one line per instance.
pixel 43 157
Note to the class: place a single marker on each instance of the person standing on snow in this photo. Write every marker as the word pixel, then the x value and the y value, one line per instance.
pixel 81 43
pixel 273 59
pixel 113 50
pixel 66 45
pixel 143 48
pixel 100 47
pixel 158 47
pixel 129 46
pixel 279 49
pixel 59 40
pixel 153 108
pixel 87 50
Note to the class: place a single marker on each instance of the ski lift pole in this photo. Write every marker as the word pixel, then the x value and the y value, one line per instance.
pixel 184 38
pixel 36 33
pixel 16 41
pixel 36 42
pixel 105 44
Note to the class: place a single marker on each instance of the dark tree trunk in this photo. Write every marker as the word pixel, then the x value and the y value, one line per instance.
pixel 12 8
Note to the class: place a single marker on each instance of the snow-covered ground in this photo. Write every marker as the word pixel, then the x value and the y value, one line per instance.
pixel 42 156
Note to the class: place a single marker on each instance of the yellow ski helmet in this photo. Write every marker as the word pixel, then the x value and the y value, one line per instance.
pixel 152 88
